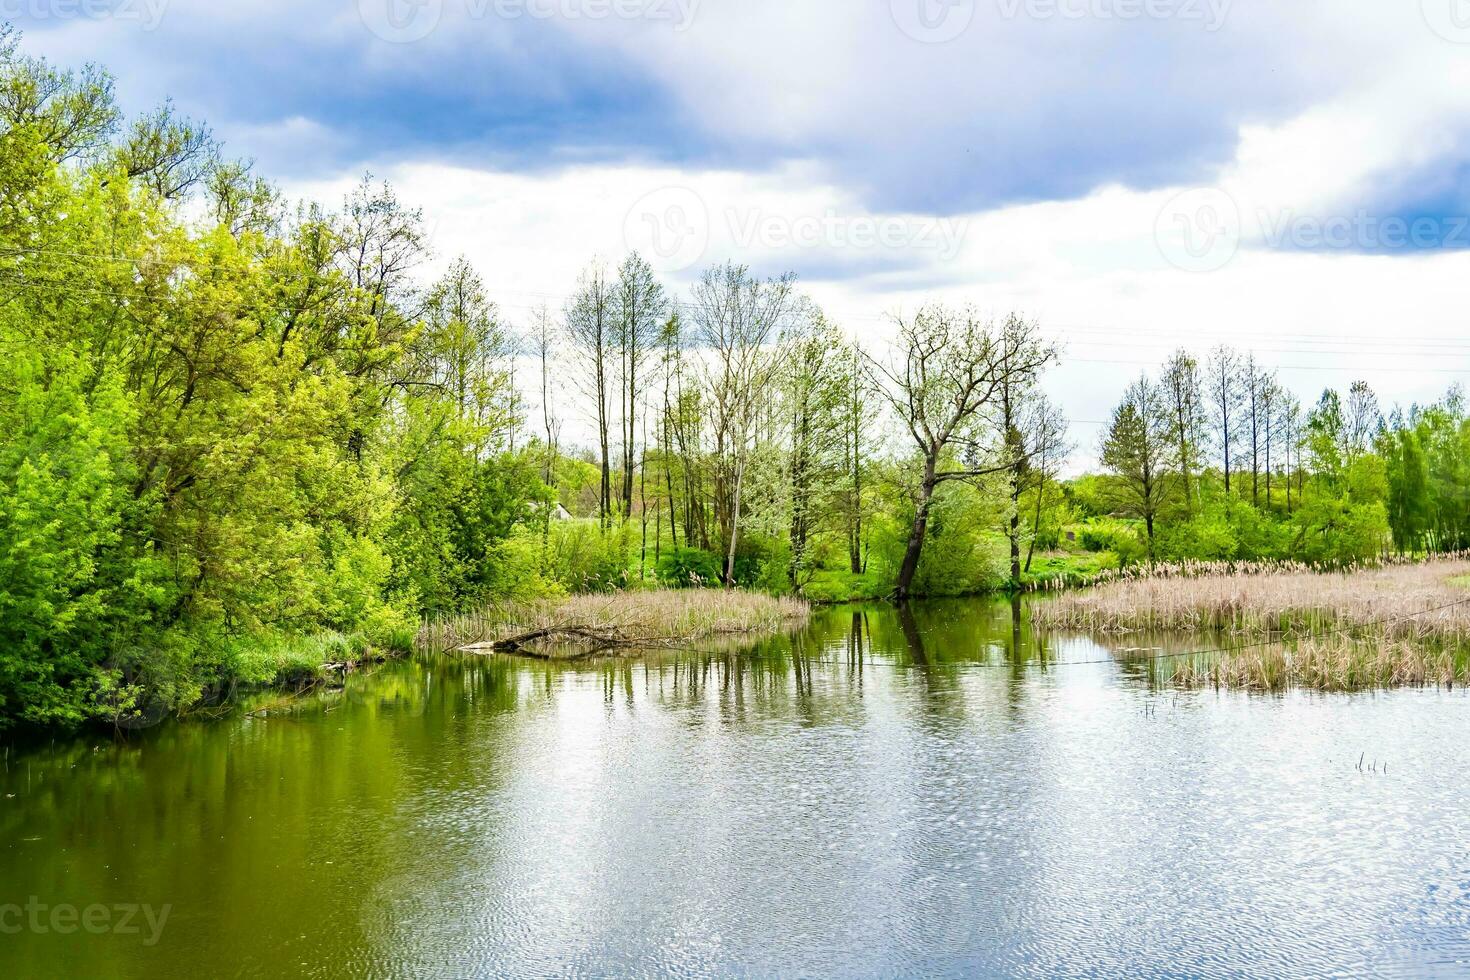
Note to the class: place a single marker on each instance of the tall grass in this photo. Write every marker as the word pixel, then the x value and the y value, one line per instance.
pixel 1335 663
pixel 1194 569
pixel 655 618
pixel 1393 601
pixel 1398 624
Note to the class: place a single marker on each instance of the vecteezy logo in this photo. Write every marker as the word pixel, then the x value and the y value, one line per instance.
pixel 1450 19
pixel 669 227
pixel 1199 230
pixel 932 21
pixel 400 21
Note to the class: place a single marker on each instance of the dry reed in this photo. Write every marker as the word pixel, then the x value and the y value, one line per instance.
pixel 1331 664
pixel 1396 625
pixel 651 619
pixel 1413 602
pixel 1195 568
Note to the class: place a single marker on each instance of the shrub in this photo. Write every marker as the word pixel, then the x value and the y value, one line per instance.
pixel 588 558
pixel 686 567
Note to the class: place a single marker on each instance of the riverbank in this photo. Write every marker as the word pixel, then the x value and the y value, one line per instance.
pixel 1400 625
pixel 584 625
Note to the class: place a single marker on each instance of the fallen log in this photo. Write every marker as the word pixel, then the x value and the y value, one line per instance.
pixel 600 639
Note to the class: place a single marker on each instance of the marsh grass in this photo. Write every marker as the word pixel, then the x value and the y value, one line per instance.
pixel 1333 664
pixel 622 620
pixel 1398 625
pixel 1400 601
pixel 1080 577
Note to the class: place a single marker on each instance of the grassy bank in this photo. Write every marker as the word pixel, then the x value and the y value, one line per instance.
pixel 579 625
pixel 1352 630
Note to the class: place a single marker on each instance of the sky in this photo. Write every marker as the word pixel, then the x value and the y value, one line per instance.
pixel 1292 178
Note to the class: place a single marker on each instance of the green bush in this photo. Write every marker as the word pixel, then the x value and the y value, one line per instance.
pixel 1119 537
pixel 586 557
pixel 687 567
pixel 841 585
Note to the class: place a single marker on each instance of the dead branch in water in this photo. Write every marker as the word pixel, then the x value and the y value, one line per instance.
pixel 591 625
pixel 600 639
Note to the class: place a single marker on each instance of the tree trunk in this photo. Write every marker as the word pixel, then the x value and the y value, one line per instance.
pixel 1015 537
pixel 855 540
pixel 910 565
pixel 1036 520
pixel 734 527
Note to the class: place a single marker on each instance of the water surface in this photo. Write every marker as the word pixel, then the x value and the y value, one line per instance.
pixel 881 795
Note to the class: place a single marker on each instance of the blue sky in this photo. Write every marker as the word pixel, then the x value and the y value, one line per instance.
pixel 1164 171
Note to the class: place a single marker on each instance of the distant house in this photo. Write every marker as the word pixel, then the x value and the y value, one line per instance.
pixel 558 512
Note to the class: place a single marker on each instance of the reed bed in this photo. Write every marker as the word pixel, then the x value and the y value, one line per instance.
pixel 1339 664
pixel 1193 569
pixel 1415 602
pixel 577 625
pixel 1396 625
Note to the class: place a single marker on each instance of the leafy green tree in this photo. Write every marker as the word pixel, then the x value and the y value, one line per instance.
pixel 1139 450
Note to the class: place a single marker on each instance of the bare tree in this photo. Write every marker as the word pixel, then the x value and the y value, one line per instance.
pixel 543 346
pixel 641 308
pixel 1045 426
pixel 1362 421
pixel 1272 398
pixel 1291 430
pixel 950 368
pixel 815 389
pixel 1181 390
pixel 589 320
pixel 855 418
pixel 738 320
pixel 1224 386
pixel 672 352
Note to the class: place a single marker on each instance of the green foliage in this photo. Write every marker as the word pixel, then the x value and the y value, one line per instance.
pixel 1116 537
pixel 586 557
pixel 220 437
pixel 842 585
pixel 74 580
pixel 235 445
pixel 688 568
pixel 1225 529
pixel 962 554
pixel 1069 568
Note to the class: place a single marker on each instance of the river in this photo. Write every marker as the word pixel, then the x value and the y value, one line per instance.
pixel 880 795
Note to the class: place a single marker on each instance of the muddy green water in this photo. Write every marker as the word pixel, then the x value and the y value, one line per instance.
pixel 881 795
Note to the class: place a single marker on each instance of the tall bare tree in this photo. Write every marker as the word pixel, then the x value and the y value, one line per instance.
pixel 1224 387
pixel 738 320
pixel 543 347
pixel 1253 382
pixel 950 367
pixel 1362 420
pixel 1045 426
pixel 641 309
pixel 815 389
pixel 1181 389
pixel 589 321
pixel 856 417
